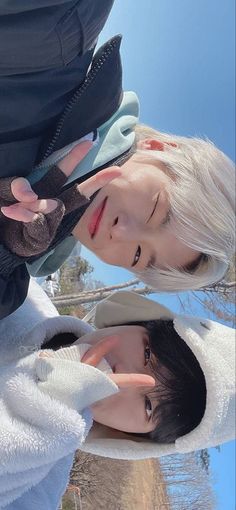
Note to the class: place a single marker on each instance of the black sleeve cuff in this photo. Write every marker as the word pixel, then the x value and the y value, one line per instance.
pixel 9 262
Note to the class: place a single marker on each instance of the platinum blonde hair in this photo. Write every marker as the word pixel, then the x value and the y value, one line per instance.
pixel 202 200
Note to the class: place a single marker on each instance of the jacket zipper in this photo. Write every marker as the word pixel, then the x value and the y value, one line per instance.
pixel 77 95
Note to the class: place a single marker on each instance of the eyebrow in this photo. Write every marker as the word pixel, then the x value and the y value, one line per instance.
pixel 152 260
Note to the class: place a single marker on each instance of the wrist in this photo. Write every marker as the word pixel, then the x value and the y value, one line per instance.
pixel 9 261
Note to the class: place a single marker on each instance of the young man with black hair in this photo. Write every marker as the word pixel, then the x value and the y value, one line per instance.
pixel 162 385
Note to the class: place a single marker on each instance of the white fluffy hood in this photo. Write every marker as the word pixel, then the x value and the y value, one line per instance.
pixel 213 346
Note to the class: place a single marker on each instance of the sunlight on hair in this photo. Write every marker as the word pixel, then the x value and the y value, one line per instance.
pixel 202 199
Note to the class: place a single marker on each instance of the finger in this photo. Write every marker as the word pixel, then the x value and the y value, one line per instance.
pixel 26 211
pixel 132 380
pixel 98 181
pixel 94 355
pixel 22 191
pixel 68 164
pixel 18 213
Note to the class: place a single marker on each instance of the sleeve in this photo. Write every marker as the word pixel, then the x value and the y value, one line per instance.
pixel 14 282
pixel 47 494
pixel 45 417
pixel 85 385
pixel 36 432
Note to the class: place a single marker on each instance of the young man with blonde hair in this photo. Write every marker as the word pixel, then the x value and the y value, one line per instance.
pixel 169 214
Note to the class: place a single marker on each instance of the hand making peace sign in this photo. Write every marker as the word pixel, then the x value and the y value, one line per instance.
pixel 31 215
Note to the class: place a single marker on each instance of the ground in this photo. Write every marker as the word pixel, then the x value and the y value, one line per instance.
pixel 116 485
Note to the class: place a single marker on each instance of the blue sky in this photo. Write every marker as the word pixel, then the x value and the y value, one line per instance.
pixel 179 58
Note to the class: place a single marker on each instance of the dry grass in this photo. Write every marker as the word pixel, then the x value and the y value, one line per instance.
pixel 116 485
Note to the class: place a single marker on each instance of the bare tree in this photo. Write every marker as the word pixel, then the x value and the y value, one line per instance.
pixel 97 291
pixel 217 301
pixel 187 483
pixel 93 296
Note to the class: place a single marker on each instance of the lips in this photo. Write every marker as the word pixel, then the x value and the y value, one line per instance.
pixel 96 219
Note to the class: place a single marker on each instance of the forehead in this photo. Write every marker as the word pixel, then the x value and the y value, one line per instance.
pixel 155 167
pixel 147 158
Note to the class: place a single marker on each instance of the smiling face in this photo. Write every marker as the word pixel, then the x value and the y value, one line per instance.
pixel 127 223
pixel 130 410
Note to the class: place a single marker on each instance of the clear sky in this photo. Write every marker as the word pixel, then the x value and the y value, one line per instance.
pixel 178 56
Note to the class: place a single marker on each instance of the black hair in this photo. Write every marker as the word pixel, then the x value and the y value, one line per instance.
pixel 181 388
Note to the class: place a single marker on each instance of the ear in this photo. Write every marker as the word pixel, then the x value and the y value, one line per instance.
pixel 154 145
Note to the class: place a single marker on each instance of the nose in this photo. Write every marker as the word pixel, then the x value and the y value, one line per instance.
pixel 126 228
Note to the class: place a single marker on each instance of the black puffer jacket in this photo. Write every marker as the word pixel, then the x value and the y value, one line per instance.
pixel 94 102
pixel 46 47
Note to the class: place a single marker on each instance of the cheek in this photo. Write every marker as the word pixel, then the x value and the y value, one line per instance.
pixel 127 192
pixel 123 412
pixel 114 253
pixel 107 253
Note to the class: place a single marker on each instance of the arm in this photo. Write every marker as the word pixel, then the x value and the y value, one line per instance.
pixel 48 493
pixel 32 440
pixel 14 282
pixel 40 422
pixel 86 384
pixel 14 276
pixel 33 224
pixel 28 222
pixel 20 240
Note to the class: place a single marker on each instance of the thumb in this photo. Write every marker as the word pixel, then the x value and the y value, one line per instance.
pixel 22 190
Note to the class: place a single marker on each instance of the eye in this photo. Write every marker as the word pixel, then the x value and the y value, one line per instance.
pixel 148 407
pixel 154 208
pixel 147 355
pixel 136 256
